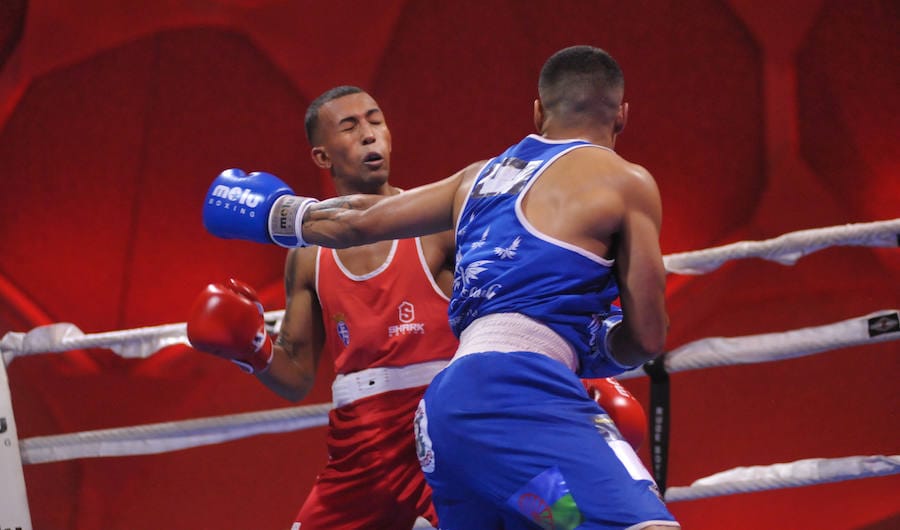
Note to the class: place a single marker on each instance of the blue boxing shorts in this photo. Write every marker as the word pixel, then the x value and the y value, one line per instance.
pixel 512 441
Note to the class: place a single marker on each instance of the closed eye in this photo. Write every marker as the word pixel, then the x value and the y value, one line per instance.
pixel 348 124
pixel 375 117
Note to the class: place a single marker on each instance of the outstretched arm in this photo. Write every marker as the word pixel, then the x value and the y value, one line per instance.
pixel 260 207
pixel 360 219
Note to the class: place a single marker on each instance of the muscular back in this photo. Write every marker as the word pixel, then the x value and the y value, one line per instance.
pixel 586 198
pixel 582 198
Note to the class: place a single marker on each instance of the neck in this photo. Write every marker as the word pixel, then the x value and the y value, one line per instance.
pixel 599 136
pixel 345 188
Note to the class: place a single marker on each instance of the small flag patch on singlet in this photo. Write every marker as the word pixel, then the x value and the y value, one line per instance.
pixel 343 332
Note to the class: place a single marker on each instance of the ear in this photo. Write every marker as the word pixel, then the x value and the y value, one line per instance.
pixel 621 118
pixel 320 157
pixel 538 116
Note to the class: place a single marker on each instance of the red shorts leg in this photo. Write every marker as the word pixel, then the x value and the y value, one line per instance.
pixel 373 478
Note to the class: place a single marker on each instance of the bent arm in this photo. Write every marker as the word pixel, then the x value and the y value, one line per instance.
pixel 300 340
pixel 361 219
pixel 641 275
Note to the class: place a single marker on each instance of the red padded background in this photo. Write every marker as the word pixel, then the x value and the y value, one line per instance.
pixel 756 119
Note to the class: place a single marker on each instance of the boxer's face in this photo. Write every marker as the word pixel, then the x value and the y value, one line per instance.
pixel 354 142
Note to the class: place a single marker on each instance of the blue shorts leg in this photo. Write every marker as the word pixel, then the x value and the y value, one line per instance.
pixel 515 437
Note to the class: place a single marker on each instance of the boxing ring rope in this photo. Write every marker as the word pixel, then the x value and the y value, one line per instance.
pixel 788 248
pixel 785 249
pixel 878 326
pixel 767 347
pixel 163 437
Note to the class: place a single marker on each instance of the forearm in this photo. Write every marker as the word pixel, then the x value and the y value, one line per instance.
pixel 631 345
pixel 355 220
pixel 642 335
pixel 340 222
pixel 288 377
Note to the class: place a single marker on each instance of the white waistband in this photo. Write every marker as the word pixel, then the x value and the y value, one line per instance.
pixel 509 332
pixel 347 388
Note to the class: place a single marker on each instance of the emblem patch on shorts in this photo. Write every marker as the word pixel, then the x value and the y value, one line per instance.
pixel 423 442
pixel 547 502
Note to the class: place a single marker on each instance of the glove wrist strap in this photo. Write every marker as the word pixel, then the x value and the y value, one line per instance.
pixel 286 220
pixel 260 361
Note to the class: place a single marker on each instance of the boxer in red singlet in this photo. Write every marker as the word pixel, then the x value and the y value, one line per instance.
pixel 378 311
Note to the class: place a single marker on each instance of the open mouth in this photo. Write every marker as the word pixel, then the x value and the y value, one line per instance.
pixel 373 159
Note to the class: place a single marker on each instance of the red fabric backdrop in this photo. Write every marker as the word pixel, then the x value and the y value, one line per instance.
pixel 756 119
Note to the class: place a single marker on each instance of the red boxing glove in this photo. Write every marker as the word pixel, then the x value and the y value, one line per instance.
pixel 625 411
pixel 226 320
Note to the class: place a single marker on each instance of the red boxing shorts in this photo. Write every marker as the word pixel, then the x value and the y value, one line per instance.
pixel 373 478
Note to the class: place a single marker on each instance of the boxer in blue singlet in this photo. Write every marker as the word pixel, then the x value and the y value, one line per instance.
pixel 504 433
pixel 548 235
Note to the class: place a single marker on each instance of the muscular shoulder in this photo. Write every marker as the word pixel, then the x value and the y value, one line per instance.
pixel 474 168
pixel 610 170
pixel 639 190
pixel 465 178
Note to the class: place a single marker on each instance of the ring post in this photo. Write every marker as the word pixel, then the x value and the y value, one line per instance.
pixel 14 513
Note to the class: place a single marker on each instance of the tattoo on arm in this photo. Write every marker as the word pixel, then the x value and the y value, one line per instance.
pixel 285 342
pixel 284 339
pixel 333 221
pixel 335 205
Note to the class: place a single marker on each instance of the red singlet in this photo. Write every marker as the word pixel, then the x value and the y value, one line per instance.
pixel 392 317
pixel 395 315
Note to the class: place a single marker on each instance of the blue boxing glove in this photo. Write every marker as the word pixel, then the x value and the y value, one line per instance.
pixel 599 362
pixel 256 207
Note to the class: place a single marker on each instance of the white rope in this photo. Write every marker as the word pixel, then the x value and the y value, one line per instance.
pixel 64 336
pixel 170 436
pixel 788 248
pixel 790 475
pixel 143 342
pixel 138 343
pixel 880 326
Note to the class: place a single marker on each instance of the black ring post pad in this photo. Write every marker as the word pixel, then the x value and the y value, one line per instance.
pixel 659 419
